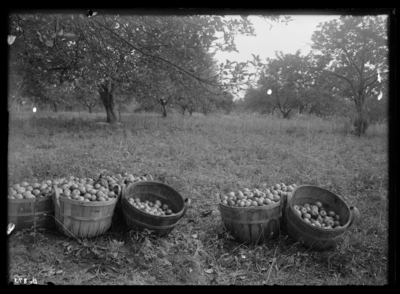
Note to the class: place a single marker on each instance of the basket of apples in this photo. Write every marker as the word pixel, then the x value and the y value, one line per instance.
pixel 316 217
pixel 154 206
pixel 253 215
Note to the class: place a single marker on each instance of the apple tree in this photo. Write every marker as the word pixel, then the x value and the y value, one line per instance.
pixel 283 80
pixel 113 51
pixel 354 50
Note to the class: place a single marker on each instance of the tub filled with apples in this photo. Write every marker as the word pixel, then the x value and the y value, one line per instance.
pixel 154 206
pixel 316 217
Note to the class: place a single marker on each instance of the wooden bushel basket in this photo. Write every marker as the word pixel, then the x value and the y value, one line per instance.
pixel 311 236
pixel 81 219
pixel 138 220
pixel 251 224
pixel 25 212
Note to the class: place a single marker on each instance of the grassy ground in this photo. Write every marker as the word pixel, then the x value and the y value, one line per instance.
pixel 199 156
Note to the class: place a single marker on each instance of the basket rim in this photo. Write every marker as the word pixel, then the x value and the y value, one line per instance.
pixel 90 203
pixel 141 183
pixel 344 227
pixel 263 207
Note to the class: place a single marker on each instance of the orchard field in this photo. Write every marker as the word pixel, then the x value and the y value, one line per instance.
pixel 200 156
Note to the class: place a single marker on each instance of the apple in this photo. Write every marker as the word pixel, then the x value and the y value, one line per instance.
pixel 20 190
pixel 314 213
pixel 331 213
pixel 35 192
pixel 18 196
pixel 43 186
pixel 276 198
pixel 267 201
pixel 24 184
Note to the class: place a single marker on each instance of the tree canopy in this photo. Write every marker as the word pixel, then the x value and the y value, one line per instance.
pixel 354 50
pixel 128 52
pixel 348 62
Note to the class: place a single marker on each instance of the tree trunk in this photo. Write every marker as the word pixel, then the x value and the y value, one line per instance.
pixel 163 103
pixel 107 98
pixel 286 114
pixel 90 109
pixel 55 106
pixel 119 113
pixel 361 122
pixel 164 114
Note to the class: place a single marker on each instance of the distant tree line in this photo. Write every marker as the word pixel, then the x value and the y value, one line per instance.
pixel 346 73
pixel 161 62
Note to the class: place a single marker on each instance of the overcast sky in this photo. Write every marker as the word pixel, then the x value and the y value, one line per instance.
pixel 286 38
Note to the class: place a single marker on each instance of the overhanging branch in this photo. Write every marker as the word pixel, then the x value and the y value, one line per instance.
pixel 344 78
pixel 151 56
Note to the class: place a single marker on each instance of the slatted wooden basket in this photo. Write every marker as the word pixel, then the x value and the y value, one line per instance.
pixel 311 236
pixel 150 190
pixel 251 224
pixel 27 212
pixel 82 219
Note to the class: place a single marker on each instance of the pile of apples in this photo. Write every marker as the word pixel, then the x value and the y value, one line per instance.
pixel 81 189
pixel 317 216
pixel 256 197
pixel 25 190
pixel 87 189
pixel 156 208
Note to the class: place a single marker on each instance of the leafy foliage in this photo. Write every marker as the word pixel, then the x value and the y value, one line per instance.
pixel 354 50
pixel 130 52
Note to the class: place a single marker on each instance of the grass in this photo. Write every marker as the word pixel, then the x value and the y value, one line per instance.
pixel 199 156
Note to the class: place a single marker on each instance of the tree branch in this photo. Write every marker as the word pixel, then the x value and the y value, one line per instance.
pixel 151 56
pixel 344 78
pixel 350 60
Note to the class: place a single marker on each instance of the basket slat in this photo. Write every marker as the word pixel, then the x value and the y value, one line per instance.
pixel 22 212
pixel 83 219
pixel 252 224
